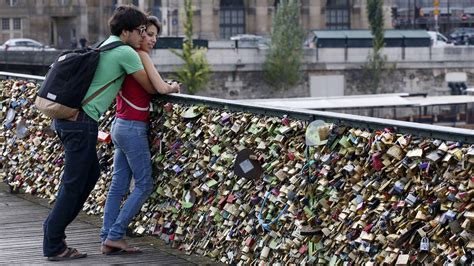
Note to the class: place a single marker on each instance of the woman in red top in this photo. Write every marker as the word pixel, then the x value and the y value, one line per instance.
pixel 132 153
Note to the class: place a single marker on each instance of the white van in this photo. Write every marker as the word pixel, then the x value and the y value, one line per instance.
pixel 438 39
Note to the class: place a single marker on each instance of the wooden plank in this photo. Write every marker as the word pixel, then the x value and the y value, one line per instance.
pixel 34 225
pixel 21 221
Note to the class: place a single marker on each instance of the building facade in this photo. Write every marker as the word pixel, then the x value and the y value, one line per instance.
pixel 62 23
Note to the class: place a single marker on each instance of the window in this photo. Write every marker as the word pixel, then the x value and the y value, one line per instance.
pixel 231 18
pixel 64 2
pixel 17 23
pixel 338 15
pixel 114 5
pixel 5 24
pixel 11 2
pixel 11 24
pixel 156 9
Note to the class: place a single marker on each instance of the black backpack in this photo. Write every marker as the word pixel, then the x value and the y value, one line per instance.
pixel 61 95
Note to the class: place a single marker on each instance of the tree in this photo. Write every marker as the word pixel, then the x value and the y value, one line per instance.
pixel 283 60
pixel 195 73
pixel 376 61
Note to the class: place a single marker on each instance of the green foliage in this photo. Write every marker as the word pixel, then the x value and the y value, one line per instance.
pixel 376 22
pixel 283 60
pixel 375 62
pixel 373 70
pixel 195 73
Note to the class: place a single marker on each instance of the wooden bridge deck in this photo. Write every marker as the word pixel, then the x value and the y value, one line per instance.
pixel 21 236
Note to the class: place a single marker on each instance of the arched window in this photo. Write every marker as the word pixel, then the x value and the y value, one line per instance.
pixel 156 9
pixel 12 2
pixel 338 14
pixel 231 18
pixel 114 5
pixel 276 3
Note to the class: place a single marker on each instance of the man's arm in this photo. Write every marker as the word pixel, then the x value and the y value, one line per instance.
pixel 141 77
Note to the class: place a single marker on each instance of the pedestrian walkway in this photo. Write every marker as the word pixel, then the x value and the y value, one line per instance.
pixel 21 236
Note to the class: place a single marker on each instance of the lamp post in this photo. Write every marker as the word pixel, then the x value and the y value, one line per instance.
pixel 436 14
pixel 449 19
pixel 409 12
pixel 415 14
pixel 168 20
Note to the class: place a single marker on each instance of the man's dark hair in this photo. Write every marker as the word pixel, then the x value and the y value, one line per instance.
pixel 126 17
pixel 152 20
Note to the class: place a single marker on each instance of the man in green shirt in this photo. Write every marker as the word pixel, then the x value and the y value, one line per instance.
pixel 81 170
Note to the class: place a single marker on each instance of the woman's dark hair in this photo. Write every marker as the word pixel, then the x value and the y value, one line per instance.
pixel 126 17
pixel 152 20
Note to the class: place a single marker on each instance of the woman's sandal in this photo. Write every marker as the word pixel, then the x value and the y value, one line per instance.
pixel 71 254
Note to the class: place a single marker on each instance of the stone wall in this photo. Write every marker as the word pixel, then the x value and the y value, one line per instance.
pixel 250 84
pixel 247 85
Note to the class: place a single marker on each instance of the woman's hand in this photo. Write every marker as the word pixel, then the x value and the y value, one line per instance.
pixel 175 87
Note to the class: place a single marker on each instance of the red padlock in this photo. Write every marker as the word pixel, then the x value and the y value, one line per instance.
pixel 168 107
pixel 303 249
pixel 250 241
pixel 291 156
pixel 104 137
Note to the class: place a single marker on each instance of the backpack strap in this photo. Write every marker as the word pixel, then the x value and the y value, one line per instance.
pixel 97 92
pixel 97 44
pixel 110 46
pixel 106 47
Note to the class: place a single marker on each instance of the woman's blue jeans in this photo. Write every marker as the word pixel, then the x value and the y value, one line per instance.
pixel 132 158
pixel 81 172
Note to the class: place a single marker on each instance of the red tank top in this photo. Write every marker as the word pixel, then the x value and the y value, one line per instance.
pixel 134 93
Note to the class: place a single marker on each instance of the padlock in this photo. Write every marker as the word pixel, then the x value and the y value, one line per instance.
pixel 362 190
pixel 424 244
pixel 434 208
pixel 104 136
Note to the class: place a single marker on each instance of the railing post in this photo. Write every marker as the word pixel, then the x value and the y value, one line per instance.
pixel 346 51
pixel 403 48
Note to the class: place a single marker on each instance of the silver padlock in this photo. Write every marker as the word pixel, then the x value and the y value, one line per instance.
pixel 424 244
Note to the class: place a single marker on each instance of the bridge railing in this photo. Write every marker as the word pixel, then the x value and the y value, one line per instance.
pixel 422 130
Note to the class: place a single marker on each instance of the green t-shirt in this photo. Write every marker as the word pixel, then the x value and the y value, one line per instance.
pixel 114 63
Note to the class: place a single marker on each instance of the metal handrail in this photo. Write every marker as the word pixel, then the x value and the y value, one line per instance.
pixel 19 75
pixel 372 123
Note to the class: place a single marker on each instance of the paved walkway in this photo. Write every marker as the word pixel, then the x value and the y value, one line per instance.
pixel 21 236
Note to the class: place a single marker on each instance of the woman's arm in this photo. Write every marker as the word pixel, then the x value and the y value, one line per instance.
pixel 155 78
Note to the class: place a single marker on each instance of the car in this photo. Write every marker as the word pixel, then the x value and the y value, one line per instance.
pixel 460 36
pixel 24 44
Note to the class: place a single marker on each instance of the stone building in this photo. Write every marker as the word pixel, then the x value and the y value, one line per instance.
pixel 62 23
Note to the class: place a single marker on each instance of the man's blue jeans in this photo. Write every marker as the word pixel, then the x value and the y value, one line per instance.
pixel 81 172
pixel 132 157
